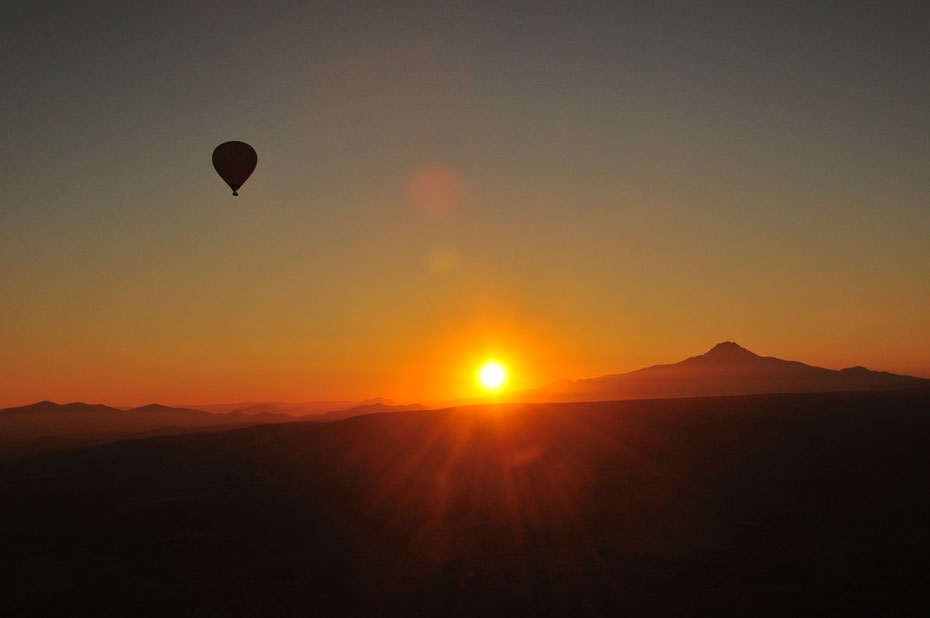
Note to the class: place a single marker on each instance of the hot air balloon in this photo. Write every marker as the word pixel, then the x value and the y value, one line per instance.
pixel 234 162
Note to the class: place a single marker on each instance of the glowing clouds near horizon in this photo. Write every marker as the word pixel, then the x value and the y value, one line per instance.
pixel 435 189
pixel 492 376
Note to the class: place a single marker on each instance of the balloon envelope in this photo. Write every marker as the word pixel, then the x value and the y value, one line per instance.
pixel 234 162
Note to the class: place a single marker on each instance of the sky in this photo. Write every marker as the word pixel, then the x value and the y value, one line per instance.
pixel 575 189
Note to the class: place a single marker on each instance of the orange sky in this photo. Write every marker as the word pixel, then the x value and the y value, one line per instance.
pixel 577 192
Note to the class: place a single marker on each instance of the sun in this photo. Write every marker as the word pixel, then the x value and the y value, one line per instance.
pixel 492 375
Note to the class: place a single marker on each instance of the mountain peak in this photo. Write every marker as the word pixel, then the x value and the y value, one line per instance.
pixel 729 350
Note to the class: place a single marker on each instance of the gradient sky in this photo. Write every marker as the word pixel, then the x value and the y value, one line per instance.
pixel 576 190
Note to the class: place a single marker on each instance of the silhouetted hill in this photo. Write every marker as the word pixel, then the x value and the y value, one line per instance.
pixel 761 505
pixel 375 407
pixel 46 425
pixel 294 409
pixel 727 369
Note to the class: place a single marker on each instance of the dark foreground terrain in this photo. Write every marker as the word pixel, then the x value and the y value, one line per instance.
pixel 776 505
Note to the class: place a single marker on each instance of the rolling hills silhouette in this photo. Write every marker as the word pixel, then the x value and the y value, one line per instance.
pixel 47 426
pixel 274 407
pixel 375 407
pixel 308 409
pixel 726 369
pixel 759 505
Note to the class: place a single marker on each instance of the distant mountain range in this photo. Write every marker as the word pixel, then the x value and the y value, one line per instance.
pixel 375 407
pixel 50 426
pixel 315 408
pixel 46 426
pixel 726 369
pixel 275 407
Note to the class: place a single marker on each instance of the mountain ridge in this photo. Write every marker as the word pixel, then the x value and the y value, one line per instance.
pixel 726 369
pixel 47 425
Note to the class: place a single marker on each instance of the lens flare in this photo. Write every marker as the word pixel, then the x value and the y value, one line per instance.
pixel 435 190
